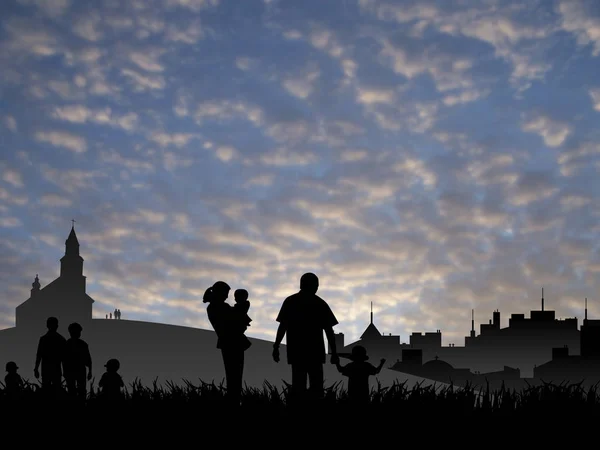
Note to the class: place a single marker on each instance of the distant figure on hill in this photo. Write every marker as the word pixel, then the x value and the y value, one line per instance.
pixel 111 382
pixel 242 305
pixel 358 372
pixel 110 315
pixel 119 314
pixel 231 340
pixel 303 317
pixel 77 358
pixel 50 353
pixel 12 380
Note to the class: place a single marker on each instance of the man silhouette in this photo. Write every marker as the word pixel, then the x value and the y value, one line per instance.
pixel 50 354
pixel 303 317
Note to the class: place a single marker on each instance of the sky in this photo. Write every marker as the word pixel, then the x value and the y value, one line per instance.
pixel 431 157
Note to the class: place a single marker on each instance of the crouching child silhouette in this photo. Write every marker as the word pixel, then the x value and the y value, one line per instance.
pixel 111 382
pixel 12 381
pixel 358 372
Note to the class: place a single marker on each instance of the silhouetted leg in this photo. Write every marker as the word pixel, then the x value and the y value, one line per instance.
pixel 315 378
pixel 233 359
pixel 299 378
pixel 71 387
pixel 81 386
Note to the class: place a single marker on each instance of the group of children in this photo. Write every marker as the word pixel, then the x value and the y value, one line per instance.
pixel 74 357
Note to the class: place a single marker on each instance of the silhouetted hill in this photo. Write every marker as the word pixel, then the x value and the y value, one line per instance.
pixel 150 350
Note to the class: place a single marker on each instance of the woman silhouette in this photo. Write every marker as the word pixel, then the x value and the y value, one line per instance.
pixel 231 340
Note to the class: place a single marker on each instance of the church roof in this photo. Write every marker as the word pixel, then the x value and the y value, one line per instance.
pixel 371 332
pixel 438 363
pixel 72 239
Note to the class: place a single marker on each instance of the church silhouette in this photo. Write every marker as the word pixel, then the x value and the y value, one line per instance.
pixel 64 298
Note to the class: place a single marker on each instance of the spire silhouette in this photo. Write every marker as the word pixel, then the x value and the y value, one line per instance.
pixel 371 312
pixel 585 317
pixel 542 299
pixel 71 264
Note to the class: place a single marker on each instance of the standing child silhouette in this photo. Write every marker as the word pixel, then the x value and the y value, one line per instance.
pixel 77 358
pixel 358 372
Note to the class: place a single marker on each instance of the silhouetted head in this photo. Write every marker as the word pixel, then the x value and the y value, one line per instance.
pixel 112 365
pixel 309 283
pixel 75 330
pixel 11 367
pixel 52 323
pixel 359 353
pixel 220 291
pixel 241 295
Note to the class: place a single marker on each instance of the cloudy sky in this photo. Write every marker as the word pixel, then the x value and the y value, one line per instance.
pixel 428 156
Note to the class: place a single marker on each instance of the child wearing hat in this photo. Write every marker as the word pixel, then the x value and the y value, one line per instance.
pixel 111 382
pixel 12 380
pixel 358 372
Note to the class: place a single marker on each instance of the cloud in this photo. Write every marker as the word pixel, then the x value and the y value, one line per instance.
pixel 88 27
pixel 12 177
pixel 188 35
pixel 580 18
pixel 148 60
pixel 177 139
pixel 142 83
pixel 552 131
pixel 10 123
pixel 55 200
pixel 53 8
pixel 71 142
pixel 81 114
pixel 192 5
pixel 595 95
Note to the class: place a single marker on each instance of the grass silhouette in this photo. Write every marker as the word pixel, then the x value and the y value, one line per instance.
pixel 206 397
pixel 199 411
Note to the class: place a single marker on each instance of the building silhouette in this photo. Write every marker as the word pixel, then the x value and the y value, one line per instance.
pixel 584 367
pixel 65 297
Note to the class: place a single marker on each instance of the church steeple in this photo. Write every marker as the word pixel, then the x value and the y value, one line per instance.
pixel 72 244
pixel 35 286
pixel 72 263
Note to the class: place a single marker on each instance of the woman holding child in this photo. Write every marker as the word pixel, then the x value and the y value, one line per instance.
pixel 230 325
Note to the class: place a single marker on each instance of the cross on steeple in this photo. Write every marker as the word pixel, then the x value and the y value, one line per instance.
pixel 73 223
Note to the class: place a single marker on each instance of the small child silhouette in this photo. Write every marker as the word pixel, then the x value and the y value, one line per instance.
pixel 242 305
pixel 111 382
pixel 358 372
pixel 12 380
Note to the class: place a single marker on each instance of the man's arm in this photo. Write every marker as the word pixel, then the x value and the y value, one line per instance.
pixel 88 358
pixel 278 338
pixel 331 341
pixel 38 356
pixel 281 330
